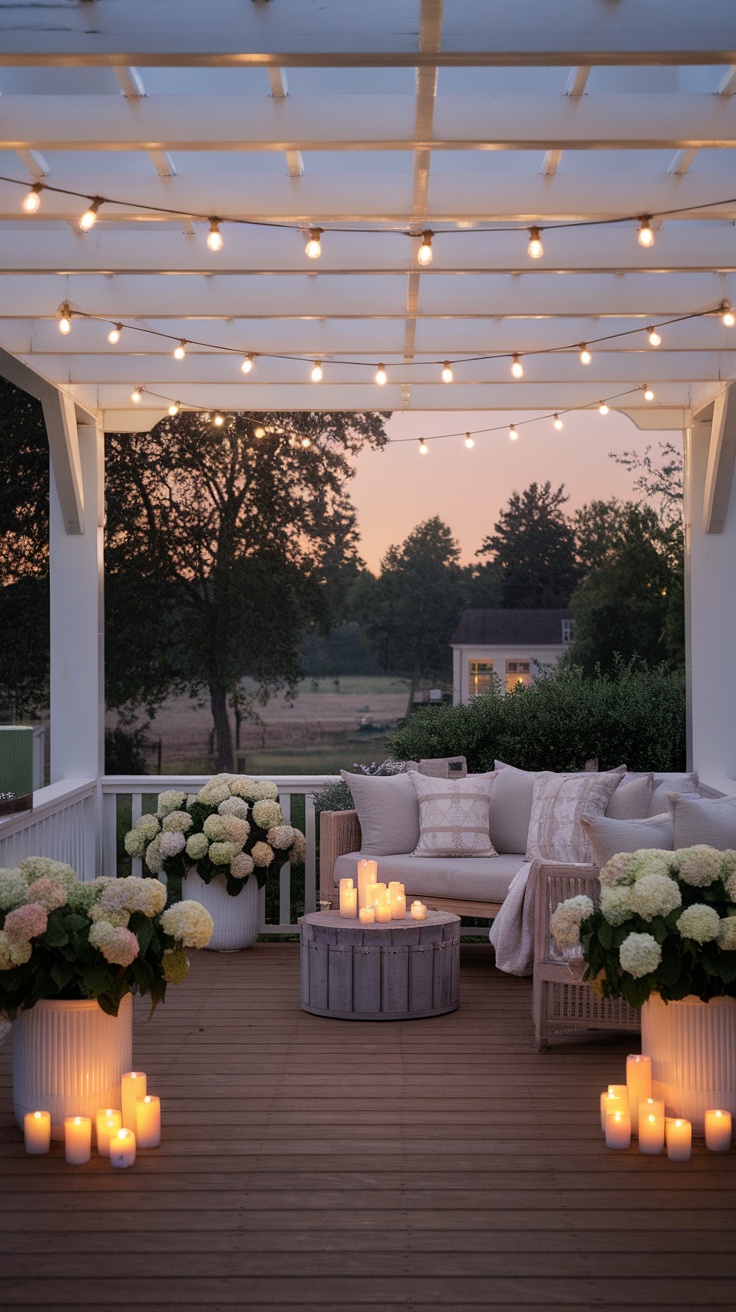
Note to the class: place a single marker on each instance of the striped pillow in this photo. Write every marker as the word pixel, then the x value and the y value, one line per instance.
pixel 453 815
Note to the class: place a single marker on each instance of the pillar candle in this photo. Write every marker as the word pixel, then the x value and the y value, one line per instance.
pixel 651 1126
pixel 614 1098
pixel 133 1087
pixel 367 915
pixel 370 895
pixel 367 874
pixel 718 1131
pixel 348 899
pixel 77 1139
pixel 639 1084
pixel 122 1148
pixel 148 1119
pixel 418 911
pixel 618 1128
pixel 679 1137
pixel 383 914
pixel 37 1132
pixel 398 906
pixel 107 1121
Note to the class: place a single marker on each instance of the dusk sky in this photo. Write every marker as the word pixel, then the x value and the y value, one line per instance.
pixel 396 489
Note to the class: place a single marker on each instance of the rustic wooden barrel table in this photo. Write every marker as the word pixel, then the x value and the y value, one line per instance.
pixel 403 970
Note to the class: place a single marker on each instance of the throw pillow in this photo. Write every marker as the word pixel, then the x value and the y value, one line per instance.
pixel 453 816
pixel 665 784
pixel 559 803
pixel 710 820
pixel 387 810
pixel 631 799
pixel 444 767
pixel 607 836
pixel 511 808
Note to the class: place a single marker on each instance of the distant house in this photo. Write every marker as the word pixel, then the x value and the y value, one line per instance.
pixel 512 644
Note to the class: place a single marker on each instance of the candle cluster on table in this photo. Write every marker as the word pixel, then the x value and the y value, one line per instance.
pixel 119 1131
pixel 373 901
pixel 630 1111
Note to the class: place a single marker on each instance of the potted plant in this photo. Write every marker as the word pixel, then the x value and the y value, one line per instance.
pixel 219 846
pixel 664 938
pixel 71 956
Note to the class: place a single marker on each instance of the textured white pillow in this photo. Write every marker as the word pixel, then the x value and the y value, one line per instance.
pixel 453 815
pixel 710 820
pixel 559 803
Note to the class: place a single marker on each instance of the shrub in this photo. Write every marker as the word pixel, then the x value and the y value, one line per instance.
pixel 633 715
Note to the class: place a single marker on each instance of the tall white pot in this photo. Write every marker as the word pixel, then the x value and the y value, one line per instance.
pixel 69 1057
pixel 236 918
pixel 692 1045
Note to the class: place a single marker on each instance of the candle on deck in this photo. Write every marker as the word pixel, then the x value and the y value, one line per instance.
pixel 651 1126
pixel 122 1148
pixel 348 899
pixel 367 874
pixel 418 911
pixel 37 1132
pixel 383 914
pixel 679 1137
pixel 639 1084
pixel 718 1130
pixel 397 897
pixel 614 1098
pixel 618 1128
pixel 367 915
pixel 77 1139
pixel 133 1087
pixel 108 1121
pixel 148 1120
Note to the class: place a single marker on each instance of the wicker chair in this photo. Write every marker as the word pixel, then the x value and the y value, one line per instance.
pixel 563 1006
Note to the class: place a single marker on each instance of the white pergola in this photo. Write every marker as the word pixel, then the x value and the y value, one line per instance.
pixel 448 115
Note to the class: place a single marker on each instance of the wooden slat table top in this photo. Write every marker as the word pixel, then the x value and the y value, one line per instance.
pixel 309 1163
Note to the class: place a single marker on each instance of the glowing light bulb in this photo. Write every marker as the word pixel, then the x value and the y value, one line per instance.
pixel 517 368
pixel 32 198
pixel 648 393
pixel 603 408
pixel 557 422
pixel 728 317
pixel 65 318
pixel 585 356
pixel 317 372
pixel 174 408
pixel 247 364
pixel 645 235
pixel 424 254
pixel 381 376
pixel 469 442
pixel 313 248
pixel 447 374
pixel 423 448
pixel 654 337
pixel 89 218
pixel 536 250
pixel 306 442
pixel 113 336
pixel 180 350
pixel 218 420
pixel 214 236
pixel 136 394
pixel 513 433
pixel 260 431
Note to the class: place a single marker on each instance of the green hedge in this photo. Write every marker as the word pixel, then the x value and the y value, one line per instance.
pixel 633 716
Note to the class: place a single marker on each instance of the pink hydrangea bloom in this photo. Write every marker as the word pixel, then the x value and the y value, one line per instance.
pixel 48 892
pixel 26 922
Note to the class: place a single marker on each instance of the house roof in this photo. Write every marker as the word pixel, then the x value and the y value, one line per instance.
pixel 502 628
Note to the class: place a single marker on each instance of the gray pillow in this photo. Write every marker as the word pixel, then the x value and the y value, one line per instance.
pixel 631 799
pixel 710 820
pixel 388 812
pixel 511 807
pixel 607 836
pixel 665 784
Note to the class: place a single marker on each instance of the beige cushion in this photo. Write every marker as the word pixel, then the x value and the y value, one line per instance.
pixel 479 879
pixel 388 812
pixel 444 767
pixel 665 784
pixel 607 836
pixel 559 803
pixel 453 815
pixel 631 799
pixel 710 820
pixel 511 808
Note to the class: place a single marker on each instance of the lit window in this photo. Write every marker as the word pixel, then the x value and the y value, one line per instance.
pixel 567 628
pixel 480 677
pixel 517 672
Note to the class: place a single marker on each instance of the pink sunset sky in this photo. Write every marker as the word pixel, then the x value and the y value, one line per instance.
pixel 395 489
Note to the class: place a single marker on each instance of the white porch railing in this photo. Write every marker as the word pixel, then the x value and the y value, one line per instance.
pixel 126 797
pixel 61 825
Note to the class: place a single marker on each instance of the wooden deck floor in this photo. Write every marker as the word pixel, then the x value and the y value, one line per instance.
pixel 362 1166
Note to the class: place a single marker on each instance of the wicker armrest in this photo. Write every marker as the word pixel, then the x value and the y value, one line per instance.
pixel 553 881
pixel 339 832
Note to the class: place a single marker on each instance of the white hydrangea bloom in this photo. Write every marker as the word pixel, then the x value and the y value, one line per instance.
pixel 43 867
pixel 699 866
pixel 234 806
pixel 639 954
pixel 214 827
pixel 13 889
pixel 119 919
pixel 699 922
pixel 267 813
pixel 189 923
pixel 727 934
pixel 651 861
pixel 148 825
pixel 281 837
pixel 155 857
pixel 265 790
pixel 244 788
pixel 171 844
pixel 236 830
pixel 262 854
pixel 213 793
pixel 117 945
pixel 299 850
pixel 197 846
pixel 241 866
pixel 616 904
pixel 221 854
pixel 617 871
pixel 150 897
pixel 172 800
pixel 177 822
pixel 565 921
pixel 136 842
pixel 655 895
pixel 13 954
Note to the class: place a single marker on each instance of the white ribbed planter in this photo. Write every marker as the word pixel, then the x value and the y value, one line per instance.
pixel 68 1059
pixel 236 918
pixel 692 1045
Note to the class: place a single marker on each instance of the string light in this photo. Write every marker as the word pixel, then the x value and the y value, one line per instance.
pixel 469 442
pixel 536 250
pixel 317 372
pixel 89 218
pixel 513 433
pixel 113 336
pixel 603 408
pixel 517 367
pixel 645 235
pixel 648 393
pixel 218 419
pixel 557 422
pixel 136 394
pixel 585 356
pixel 65 318
pixel 423 448
pixel 306 442
pixel 728 317
pixel 181 350
pixel 247 364
pixel 424 254
pixel 653 337
pixel 447 374
pixel 214 236
pixel 313 248
pixel 174 408
pixel 32 198
pixel 381 377
pixel 260 432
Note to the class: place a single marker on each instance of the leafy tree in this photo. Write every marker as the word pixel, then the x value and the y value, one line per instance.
pixel 533 545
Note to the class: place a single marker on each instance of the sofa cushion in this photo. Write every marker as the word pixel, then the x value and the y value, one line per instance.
pixel 479 879
pixel 607 836
pixel 559 803
pixel 631 799
pixel 710 820
pixel 664 784
pixel 453 816
pixel 511 808
pixel 388 812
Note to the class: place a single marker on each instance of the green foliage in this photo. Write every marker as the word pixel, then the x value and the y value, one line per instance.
pixel 533 547
pixel 631 714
